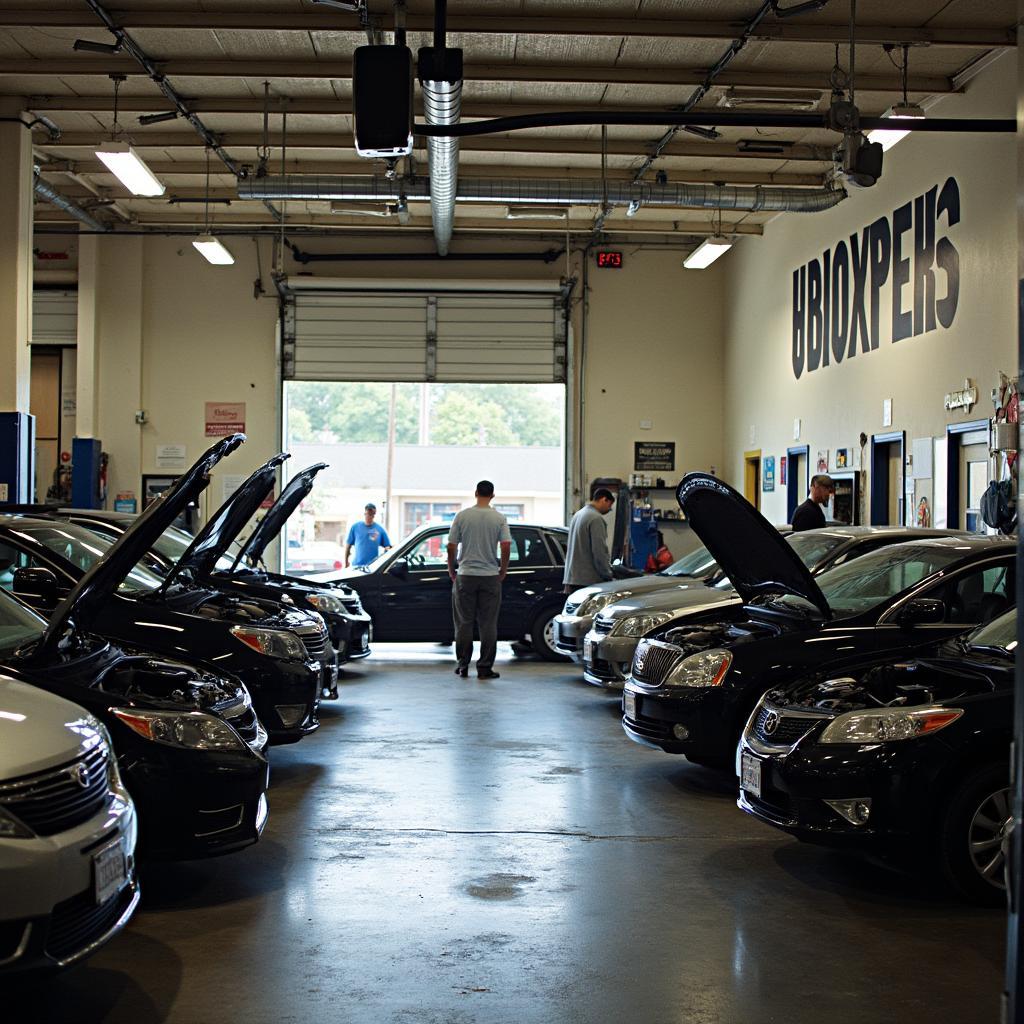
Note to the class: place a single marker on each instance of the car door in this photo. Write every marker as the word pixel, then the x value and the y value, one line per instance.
pixel 416 592
pixel 13 558
pixel 533 579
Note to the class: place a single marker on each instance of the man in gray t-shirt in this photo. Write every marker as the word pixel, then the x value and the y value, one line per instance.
pixel 482 533
pixel 586 557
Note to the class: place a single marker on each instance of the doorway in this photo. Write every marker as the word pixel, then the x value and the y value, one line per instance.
pixel 887 478
pixel 967 474
pixel 797 477
pixel 752 477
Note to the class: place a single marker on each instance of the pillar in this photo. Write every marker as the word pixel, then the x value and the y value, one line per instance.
pixel 86 447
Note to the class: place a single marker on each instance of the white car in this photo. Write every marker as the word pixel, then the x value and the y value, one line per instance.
pixel 67 832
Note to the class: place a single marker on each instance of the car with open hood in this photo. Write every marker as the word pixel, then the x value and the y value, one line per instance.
pixel 279 653
pixel 223 562
pixel 408 594
pixel 691 572
pixel 693 684
pixel 905 758
pixel 67 833
pixel 609 646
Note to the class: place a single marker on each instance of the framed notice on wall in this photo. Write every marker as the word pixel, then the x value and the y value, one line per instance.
pixel 654 455
pixel 768 474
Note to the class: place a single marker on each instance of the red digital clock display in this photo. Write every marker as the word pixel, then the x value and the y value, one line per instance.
pixel 609 259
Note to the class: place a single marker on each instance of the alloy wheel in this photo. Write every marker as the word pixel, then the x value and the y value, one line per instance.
pixel 986 833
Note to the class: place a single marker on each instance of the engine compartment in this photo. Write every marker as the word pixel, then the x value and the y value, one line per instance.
pixel 167 684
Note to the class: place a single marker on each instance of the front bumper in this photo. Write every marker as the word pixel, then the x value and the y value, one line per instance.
pixel 286 696
pixel 569 633
pixel 606 659
pixel 49 916
pixel 350 635
pixel 656 719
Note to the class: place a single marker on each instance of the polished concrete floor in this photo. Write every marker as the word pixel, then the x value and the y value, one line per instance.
pixel 446 851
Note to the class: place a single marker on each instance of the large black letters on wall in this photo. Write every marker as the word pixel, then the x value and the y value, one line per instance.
pixel 839 298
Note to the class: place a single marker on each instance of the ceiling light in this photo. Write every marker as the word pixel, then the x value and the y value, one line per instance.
pixel 536 213
pixel 746 98
pixel 707 252
pixel 888 137
pixel 213 251
pixel 165 115
pixel 130 169
pixel 91 47
pixel 362 209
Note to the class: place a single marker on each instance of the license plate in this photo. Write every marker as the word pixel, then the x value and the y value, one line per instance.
pixel 109 873
pixel 588 650
pixel 750 774
pixel 629 704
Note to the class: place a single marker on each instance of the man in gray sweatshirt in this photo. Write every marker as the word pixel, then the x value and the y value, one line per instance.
pixel 586 559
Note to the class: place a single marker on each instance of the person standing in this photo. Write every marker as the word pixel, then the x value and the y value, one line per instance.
pixel 367 537
pixel 809 514
pixel 586 558
pixel 482 533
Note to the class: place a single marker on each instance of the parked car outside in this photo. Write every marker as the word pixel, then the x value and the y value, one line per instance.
pixel 314 556
pixel 407 591
pixel 692 571
pixel 67 833
pixel 609 646
pixel 281 654
pixel 905 758
pixel 693 685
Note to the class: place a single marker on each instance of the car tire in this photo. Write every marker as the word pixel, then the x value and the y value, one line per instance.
pixel 542 635
pixel 977 814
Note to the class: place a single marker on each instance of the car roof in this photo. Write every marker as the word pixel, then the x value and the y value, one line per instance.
pixel 859 532
pixel 426 527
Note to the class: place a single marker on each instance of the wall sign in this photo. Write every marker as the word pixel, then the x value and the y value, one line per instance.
pixel 838 299
pixel 224 418
pixel 608 258
pixel 170 456
pixel 654 455
pixel 768 474
pixel 963 399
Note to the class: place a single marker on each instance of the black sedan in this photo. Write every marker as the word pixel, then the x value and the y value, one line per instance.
pixel 909 758
pixel 189 746
pixel 693 685
pixel 408 594
pixel 281 654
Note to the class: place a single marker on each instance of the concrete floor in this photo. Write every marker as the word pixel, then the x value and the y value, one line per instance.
pixel 446 851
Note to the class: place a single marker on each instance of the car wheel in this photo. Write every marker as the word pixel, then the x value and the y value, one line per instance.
pixel 971 835
pixel 542 636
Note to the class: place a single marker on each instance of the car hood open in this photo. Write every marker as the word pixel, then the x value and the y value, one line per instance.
pixel 95 588
pixel 273 522
pixel 749 550
pixel 226 524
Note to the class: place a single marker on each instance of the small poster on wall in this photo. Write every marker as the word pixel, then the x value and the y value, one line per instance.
pixel 656 455
pixel 822 461
pixel 768 474
pixel 224 418
pixel 842 458
pixel 782 469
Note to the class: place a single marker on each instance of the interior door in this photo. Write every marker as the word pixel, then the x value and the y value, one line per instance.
pixel 895 469
pixel 973 481
pixel 752 478
pixel 416 603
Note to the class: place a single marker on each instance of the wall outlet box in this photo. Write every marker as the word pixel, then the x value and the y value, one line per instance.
pixel 647 424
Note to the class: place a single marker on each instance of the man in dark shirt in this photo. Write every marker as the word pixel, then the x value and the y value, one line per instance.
pixel 809 515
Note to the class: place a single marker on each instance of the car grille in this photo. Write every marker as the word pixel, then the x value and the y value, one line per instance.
pixel 652 662
pixel 58 799
pixel 788 730
pixel 571 607
pixel 353 605
pixel 77 922
pixel 315 640
pixel 602 625
pixel 244 722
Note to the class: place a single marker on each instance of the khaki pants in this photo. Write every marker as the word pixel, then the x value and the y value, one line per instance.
pixel 476 600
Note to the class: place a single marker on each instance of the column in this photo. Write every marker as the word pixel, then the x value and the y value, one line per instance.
pixel 86 446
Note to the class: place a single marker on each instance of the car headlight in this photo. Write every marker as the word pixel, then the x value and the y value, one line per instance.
pixel 275 643
pixel 887 725
pixel 11 828
pixel 705 669
pixel 637 625
pixel 594 604
pixel 194 730
pixel 327 603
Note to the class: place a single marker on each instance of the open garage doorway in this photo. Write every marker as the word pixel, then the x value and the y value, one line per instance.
pixel 415 450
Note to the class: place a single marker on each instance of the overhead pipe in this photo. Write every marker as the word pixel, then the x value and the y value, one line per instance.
pixel 440 74
pixel 553 191
pixel 61 201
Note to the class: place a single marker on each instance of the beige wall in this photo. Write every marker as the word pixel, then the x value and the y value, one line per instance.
pixel 838 402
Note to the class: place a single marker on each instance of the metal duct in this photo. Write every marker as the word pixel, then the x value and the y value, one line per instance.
pixel 51 195
pixel 545 191
pixel 442 104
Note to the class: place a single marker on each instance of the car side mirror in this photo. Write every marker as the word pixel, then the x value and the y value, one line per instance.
pixel 400 567
pixel 37 587
pixel 922 611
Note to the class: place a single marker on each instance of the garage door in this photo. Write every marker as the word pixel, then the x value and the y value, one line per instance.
pixel 430 335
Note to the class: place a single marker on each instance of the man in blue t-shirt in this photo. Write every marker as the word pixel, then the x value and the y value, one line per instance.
pixel 367 537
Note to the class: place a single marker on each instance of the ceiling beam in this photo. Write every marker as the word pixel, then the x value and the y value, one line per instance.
pixel 532 25
pixel 145 140
pixel 71 67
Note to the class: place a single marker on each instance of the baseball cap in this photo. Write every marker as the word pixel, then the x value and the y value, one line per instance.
pixel 824 480
pixel 369 507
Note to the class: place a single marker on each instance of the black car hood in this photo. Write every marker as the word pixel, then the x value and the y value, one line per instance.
pixel 226 523
pixel 96 587
pixel 273 522
pixel 748 549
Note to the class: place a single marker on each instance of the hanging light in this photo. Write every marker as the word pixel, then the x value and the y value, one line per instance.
pixel 904 111
pixel 213 250
pixel 707 252
pixel 124 163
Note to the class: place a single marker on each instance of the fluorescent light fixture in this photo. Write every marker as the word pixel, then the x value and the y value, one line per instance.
pixel 213 251
pixel 888 137
pixel 130 169
pixel 707 252
pixel 536 213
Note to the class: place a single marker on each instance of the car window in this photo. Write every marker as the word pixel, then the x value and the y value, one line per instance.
pixel 18 625
pixel 528 548
pixel 699 562
pixel 430 552
pixel 977 596
pixel 861 548
pixel 812 546
pixel 557 542
pixel 12 558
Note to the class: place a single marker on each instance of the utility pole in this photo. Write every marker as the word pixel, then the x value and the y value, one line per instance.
pixel 391 457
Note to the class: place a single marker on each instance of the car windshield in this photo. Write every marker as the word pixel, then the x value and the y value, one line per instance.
pixel 999 634
pixel 173 543
pixel 878 576
pixel 84 549
pixel 813 546
pixel 699 562
pixel 18 625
